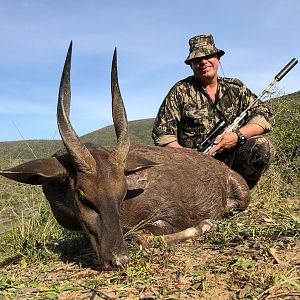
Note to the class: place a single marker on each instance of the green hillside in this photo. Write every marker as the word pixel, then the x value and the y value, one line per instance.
pixel 140 133
pixel 139 130
pixel 285 134
pixel 28 149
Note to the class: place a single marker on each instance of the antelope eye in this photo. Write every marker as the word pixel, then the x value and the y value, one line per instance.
pixel 80 194
pixel 81 197
pixel 85 201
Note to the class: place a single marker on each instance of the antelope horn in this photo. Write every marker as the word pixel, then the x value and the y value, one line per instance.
pixel 83 159
pixel 119 154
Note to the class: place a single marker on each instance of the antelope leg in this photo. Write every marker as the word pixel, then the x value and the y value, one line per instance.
pixel 149 240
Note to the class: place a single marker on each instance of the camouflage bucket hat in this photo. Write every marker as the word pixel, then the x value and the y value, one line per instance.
pixel 202 45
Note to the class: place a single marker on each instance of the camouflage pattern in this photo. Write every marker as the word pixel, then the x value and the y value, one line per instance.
pixel 187 114
pixel 251 159
pixel 202 45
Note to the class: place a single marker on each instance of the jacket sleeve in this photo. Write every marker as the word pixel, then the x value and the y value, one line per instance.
pixel 166 122
pixel 260 114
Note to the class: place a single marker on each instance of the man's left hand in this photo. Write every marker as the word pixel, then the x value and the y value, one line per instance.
pixel 224 141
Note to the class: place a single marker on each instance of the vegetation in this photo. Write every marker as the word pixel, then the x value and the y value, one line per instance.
pixel 254 254
pixel 139 130
pixel 140 133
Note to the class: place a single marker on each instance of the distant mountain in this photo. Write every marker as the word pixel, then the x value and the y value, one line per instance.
pixel 286 109
pixel 140 133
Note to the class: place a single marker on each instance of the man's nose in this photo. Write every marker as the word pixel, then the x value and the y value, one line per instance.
pixel 203 60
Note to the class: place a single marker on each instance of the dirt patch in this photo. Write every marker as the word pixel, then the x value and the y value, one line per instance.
pixel 189 270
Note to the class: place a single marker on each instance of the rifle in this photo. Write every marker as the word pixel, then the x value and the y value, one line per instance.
pixel 222 127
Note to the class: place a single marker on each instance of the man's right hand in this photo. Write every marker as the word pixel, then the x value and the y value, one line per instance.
pixel 173 144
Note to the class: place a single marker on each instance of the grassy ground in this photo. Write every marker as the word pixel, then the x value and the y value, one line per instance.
pixel 250 255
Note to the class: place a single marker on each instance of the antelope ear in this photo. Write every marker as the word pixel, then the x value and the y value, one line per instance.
pixel 36 171
pixel 136 163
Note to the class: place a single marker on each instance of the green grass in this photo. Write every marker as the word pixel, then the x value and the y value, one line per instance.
pixel 30 149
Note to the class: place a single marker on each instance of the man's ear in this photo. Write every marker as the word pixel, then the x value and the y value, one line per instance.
pixel 137 163
pixel 37 171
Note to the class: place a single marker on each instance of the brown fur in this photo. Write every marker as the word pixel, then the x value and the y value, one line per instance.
pixel 178 189
pixel 171 192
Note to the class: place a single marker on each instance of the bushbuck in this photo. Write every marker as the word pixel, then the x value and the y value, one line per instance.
pixel 104 193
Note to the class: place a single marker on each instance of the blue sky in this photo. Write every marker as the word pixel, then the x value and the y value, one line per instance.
pixel 259 38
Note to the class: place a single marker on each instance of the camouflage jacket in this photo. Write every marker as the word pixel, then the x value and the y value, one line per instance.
pixel 187 114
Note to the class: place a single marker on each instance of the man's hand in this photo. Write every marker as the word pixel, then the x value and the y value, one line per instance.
pixel 173 144
pixel 229 139
pixel 224 141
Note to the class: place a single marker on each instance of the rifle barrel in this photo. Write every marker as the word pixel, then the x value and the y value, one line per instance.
pixel 237 122
pixel 286 69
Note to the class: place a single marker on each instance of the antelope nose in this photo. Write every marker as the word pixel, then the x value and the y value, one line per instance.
pixel 117 261
pixel 120 260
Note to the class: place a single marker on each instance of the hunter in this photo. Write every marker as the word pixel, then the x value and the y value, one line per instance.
pixel 197 103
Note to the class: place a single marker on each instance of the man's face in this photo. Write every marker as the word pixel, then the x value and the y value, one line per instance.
pixel 205 68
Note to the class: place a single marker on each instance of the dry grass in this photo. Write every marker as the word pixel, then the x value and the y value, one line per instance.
pixel 250 255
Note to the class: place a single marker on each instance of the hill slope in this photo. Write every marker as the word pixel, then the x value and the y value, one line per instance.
pixel 140 133
pixel 139 130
